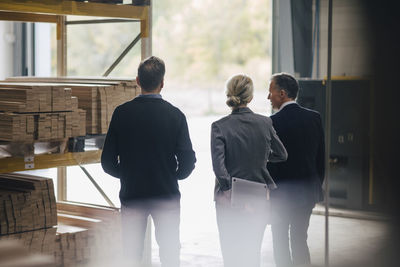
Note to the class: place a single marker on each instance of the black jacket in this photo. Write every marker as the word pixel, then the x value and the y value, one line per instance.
pixel 148 147
pixel 299 179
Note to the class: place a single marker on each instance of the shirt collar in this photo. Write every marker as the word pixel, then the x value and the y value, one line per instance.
pixel 150 96
pixel 287 103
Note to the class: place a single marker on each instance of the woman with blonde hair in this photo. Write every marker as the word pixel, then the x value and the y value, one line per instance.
pixel 241 145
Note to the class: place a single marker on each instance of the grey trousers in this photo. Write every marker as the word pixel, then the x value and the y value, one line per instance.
pixel 241 234
pixel 166 218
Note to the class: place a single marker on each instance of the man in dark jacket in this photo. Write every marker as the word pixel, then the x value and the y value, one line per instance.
pixel 149 149
pixel 300 178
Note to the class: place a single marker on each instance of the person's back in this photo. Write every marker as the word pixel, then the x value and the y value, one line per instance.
pixel 299 179
pixel 300 130
pixel 149 149
pixel 248 140
pixel 241 145
pixel 148 131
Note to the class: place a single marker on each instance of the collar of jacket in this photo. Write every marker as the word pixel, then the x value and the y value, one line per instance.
pixel 241 110
pixel 289 106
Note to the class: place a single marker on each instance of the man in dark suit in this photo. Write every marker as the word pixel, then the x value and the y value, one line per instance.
pixel 299 179
pixel 149 149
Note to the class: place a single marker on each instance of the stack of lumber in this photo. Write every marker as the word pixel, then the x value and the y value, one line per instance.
pixel 13 253
pixel 37 241
pixel 84 233
pixel 72 245
pixel 103 224
pixel 67 245
pixel 28 127
pixel 39 112
pixel 72 234
pixel 26 203
pixel 34 97
pixel 98 96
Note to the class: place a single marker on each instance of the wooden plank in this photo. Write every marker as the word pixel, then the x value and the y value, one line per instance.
pixel 28 17
pixel 50 161
pixel 93 211
pixel 75 8
pixel 75 220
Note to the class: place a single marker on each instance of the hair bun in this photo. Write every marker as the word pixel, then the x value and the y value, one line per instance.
pixel 239 90
pixel 233 101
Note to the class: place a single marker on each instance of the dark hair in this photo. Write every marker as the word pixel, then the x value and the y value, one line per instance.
pixel 286 82
pixel 151 73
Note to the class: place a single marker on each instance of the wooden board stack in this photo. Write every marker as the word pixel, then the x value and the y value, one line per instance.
pixel 38 112
pixel 13 253
pixel 26 203
pixel 98 96
pixel 73 245
pixel 104 230
pixel 29 97
pixel 68 245
pixel 38 241
pixel 84 233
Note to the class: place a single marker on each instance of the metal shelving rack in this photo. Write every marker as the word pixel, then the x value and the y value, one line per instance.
pixel 56 11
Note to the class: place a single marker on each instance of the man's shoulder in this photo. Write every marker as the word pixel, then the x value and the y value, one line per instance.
pixel 296 111
pixel 149 101
pixel 295 108
pixel 310 112
pixel 171 107
pixel 122 106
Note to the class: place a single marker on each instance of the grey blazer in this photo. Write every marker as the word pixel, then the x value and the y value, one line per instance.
pixel 241 145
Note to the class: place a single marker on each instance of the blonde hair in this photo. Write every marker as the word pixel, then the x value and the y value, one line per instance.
pixel 239 90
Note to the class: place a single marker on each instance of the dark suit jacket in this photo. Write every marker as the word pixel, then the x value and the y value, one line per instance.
pixel 148 147
pixel 300 178
pixel 241 145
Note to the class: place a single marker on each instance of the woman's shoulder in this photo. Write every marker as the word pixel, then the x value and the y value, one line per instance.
pixel 262 117
pixel 222 120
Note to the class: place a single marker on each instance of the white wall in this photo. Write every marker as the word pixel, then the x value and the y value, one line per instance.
pixel 350 44
pixel 6 49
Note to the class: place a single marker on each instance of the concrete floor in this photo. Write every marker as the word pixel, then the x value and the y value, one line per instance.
pixel 352 243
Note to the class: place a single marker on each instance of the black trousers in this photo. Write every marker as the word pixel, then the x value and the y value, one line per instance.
pixel 166 218
pixel 291 224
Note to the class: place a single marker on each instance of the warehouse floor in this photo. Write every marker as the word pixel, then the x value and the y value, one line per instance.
pixel 352 241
